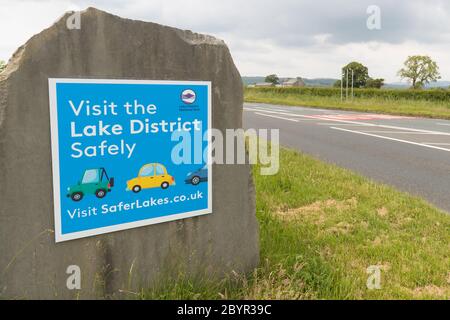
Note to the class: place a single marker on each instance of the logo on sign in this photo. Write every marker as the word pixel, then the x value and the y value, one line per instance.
pixel 188 96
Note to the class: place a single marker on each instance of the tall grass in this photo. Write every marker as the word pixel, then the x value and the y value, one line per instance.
pixel 321 227
pixel 413 105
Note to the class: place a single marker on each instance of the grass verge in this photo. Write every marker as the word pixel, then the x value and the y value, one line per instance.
pixel 321 228
pixel 408 107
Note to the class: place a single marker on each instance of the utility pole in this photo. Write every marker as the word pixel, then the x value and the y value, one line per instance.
pixel 342 86
pixel 346 85
pixel 353 73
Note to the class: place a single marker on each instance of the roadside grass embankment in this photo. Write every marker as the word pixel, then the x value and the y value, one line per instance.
pixel 420 103
pixel 321 227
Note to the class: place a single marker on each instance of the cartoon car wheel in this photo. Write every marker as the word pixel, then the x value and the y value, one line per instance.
pixel 198 176
pixel 195 180
pixel 77 196
pixel 136 189
pixel 100 193
pixel 164 185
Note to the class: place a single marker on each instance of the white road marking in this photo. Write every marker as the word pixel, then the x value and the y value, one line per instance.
pixel 338 116
pixel 341 124
pixel 389 138
pixel 268 115
pixel 286 113
pixel 401 132
pixel 443 124
pixel 308 109
pixel 437 143
pixel 359 123
pixel 358 116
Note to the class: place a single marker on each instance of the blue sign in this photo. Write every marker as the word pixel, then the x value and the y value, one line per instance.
pixel 128 153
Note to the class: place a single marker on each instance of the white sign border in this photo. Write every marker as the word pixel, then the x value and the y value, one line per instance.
pixel 59 237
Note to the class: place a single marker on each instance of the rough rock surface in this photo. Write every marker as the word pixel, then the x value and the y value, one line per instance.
pixel 115 264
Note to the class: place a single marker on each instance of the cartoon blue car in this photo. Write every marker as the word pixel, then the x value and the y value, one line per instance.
pixel 198 176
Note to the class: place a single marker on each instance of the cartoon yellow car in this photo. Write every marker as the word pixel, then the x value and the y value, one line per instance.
pixel 152 175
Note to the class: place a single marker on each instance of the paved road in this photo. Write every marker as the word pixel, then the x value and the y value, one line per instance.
pixel 412 154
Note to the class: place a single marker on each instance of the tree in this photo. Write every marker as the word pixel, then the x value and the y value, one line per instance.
pixel 375 83
pixel 360 74
pixel 337 84
pixel 273 79
pixel 2 65
pixel 420 70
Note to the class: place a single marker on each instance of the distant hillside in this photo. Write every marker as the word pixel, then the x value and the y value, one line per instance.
pixel 252 80
pixel 328 82
pixel 403 85
pixel 439 84
pixel 319 82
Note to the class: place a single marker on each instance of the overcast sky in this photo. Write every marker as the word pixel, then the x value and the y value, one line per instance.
pixel 288 37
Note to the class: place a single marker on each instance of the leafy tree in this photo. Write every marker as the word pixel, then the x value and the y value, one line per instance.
pixel 337 84
pixel 420 70
pixel 273 78
pixel 2 65
pixel 374 83
pixel 360 72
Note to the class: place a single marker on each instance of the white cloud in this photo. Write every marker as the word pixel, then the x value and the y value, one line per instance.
pixel 287 37
pixel 20 20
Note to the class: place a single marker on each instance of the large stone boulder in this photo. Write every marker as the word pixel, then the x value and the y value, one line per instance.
pixel 113 265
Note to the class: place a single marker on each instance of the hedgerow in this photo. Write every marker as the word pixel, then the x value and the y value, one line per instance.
pixel 391 94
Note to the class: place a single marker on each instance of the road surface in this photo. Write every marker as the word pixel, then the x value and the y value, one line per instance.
pixel 412 154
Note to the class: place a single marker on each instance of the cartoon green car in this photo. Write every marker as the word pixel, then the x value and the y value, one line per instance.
pixel 94 181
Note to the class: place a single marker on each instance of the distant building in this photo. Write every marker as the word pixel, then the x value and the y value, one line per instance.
pixel 293 82
pixel 264 84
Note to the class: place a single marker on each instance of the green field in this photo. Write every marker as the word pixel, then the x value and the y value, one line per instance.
pixel 423 103
pixel 321 227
